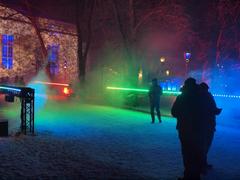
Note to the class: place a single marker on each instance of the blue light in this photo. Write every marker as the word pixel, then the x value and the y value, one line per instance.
pixel 53 53
pixel 174 88
pixel 10 89
pixel 7 51
pixel 226 96
pixel 187 55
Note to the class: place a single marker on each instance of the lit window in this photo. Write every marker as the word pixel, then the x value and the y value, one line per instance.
pixel 7 51
pixel 53 59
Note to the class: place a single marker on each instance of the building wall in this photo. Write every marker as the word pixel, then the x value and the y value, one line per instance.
pixel 27 53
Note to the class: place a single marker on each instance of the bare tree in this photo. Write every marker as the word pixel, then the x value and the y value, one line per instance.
pixel 228 45
pixel 133 16
pixel 84 14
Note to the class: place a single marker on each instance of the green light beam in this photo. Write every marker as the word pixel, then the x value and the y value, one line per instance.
pixel 127 89
pixel 141 90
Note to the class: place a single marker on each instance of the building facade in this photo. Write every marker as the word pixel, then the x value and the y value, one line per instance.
pixel 21 47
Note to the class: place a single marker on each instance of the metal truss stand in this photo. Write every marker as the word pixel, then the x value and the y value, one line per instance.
pixel 27 110
pixel 26 96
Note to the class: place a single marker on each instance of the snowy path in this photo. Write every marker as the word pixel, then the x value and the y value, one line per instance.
pixel 93 142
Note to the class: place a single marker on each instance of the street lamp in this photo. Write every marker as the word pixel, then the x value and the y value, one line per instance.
pixel 187 57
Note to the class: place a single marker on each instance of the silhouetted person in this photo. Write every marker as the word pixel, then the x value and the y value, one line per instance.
pixel 210 111
pixel 187 110
pixel 155 92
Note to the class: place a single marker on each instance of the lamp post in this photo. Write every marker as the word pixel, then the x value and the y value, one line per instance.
pixel 187 57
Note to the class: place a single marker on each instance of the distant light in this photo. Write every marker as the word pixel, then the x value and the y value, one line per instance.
pixel 65 64
pixel 172 92
pixel 140 75
pixel 226 95
pixel 162 59
pixel 50 83
pixel 187 56
pixel 167 72
pixel 66 91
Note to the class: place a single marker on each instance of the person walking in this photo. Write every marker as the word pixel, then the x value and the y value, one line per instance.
pixel 155 92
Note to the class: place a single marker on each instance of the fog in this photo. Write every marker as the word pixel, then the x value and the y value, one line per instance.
pixel 41 90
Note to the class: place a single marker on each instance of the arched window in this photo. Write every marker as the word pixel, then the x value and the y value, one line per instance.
pixel 7 51
pixel 53 59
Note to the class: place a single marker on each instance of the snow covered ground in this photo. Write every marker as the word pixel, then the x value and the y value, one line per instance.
pixel 79 141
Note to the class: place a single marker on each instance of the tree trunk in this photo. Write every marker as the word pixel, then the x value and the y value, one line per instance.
pixel 128 35
pixel 83 24
pixel 38 33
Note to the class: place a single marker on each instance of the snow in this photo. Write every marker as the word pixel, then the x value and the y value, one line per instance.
pixel 83 141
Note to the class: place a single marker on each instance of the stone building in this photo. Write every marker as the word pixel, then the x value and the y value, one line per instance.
pixel 22 46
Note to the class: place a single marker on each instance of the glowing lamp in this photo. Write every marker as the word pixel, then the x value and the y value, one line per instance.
pixel 167 72
pixel 187 56
pixel 66 91
pixel 65 65
pixel 140 75
pixel 162 59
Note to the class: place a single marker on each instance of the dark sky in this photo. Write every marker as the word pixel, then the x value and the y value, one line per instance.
pixel 53 9
pixel 64 9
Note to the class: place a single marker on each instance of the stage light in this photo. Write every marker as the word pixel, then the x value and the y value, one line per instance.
pixel 66 91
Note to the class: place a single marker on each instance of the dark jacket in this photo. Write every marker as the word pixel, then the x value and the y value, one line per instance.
pixel 155 92
pixel 187 110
